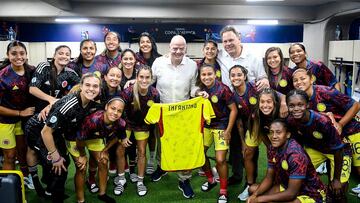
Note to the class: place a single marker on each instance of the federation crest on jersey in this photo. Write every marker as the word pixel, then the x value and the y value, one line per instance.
pixel 321 107
pixel 284 165
pixel 313 78
pixel 53 119
pixel 33 80
pixel 274 160
pixel 15 87
pixel 64 83
pixel 150 103
pixel 6 142
pixel 252 100
pixel 218 73
pixel 317 135
pixel 283 83
pixel 214 99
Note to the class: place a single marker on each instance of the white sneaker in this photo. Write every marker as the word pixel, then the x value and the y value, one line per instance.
pixel 244 195
pixel 29 182
pixel 356 189
pixel 322 168
pixel 119 181
pixel 133 177
pixel 150 168
pixel 141 189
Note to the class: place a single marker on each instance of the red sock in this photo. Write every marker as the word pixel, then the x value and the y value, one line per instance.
pixel 223 186
pixel 92 176
pixel 209 176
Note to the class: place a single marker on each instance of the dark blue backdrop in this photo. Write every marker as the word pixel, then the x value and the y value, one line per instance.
pixel 39 32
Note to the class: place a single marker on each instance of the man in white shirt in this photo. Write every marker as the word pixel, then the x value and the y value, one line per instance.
pixel 235 54
pixel 175 77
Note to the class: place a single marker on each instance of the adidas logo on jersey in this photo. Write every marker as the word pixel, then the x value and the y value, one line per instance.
pixel 15 88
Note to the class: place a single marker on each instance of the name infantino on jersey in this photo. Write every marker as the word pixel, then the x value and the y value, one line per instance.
pixel 182 107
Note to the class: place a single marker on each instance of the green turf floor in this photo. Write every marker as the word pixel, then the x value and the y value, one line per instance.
pixel 166 189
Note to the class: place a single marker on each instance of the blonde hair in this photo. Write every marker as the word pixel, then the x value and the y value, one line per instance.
pixel 136 98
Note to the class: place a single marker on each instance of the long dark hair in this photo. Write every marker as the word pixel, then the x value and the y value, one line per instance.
pixel 28 69
pixel 80 58
pixel 266 65
pixel 154 51
pixel 118 37
pixel 256 120
pixel 53 73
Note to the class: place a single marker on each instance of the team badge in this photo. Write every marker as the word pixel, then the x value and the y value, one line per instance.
pixel 33 80
pixel 317 135
pixel 15 88
pixel 284 165
pixel 214 99
pixel 53 119
pixel 321 107
pixel 252 100
pixel 6 142
pixel 150 103
pixel 97 73
pixel 64 83
pixel 283 83
pixel 239 106
pixel 274 160
pixel 218 73
pixel 313 78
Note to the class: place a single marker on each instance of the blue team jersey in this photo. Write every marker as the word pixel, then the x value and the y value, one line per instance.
pixel 322 74
pixel 328 99
pixel 14 92
pixel 282 82
pixel 94 127
pixel 246 102
pixel 135 118
pixel 220 97
pixel 292 162
pixel 107 61
pixel 96 66
pixel 318 133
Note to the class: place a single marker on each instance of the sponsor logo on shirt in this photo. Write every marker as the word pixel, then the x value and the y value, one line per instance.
pixel 53 119
pixel 47 83
pixel 214 99
pixel 252 100
pixel 317 135
pixel 15 88
pixel 283 83
pixel 33 80
pixel 284 165
pixel 321 107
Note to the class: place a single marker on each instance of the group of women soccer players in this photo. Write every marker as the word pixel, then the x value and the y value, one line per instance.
pixel 99 102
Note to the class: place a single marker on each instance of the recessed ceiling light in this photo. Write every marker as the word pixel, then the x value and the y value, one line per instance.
pixel 262 22
pixel 72 20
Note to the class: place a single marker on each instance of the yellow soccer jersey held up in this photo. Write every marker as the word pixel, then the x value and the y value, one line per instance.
pixel 181 132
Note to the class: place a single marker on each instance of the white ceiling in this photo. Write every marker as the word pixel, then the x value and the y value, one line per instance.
pixel 189 11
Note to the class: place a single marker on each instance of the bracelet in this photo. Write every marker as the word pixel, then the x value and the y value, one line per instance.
pixel 60 157
pixel 50 153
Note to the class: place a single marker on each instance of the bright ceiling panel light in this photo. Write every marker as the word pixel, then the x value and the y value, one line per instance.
pixel 262 0
pixel 262 22
pixel 72 20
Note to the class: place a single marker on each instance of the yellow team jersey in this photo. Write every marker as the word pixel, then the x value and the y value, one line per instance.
pixel 181 132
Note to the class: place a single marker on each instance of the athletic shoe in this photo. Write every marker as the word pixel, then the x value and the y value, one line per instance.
pixel 150 168
pixel 207 186
pixel 93 188
pixel 222 199
pixel 322 168
pixel 359 195
pixel 356 189
pixel 29 182
pixel 245 194
pixel 133 177
pixel 118 190
pixel 141 189
pixel 186 189
pixel 156 176
pixel 119 181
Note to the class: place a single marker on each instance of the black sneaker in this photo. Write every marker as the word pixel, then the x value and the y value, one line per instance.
pixel 207 186
pixel 186 189
pixel 156 176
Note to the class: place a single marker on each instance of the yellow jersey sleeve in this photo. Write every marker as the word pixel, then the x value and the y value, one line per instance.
pixel 153 115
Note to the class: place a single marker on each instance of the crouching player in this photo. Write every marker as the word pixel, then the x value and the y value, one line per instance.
pixel 99 132
pixel 290 176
